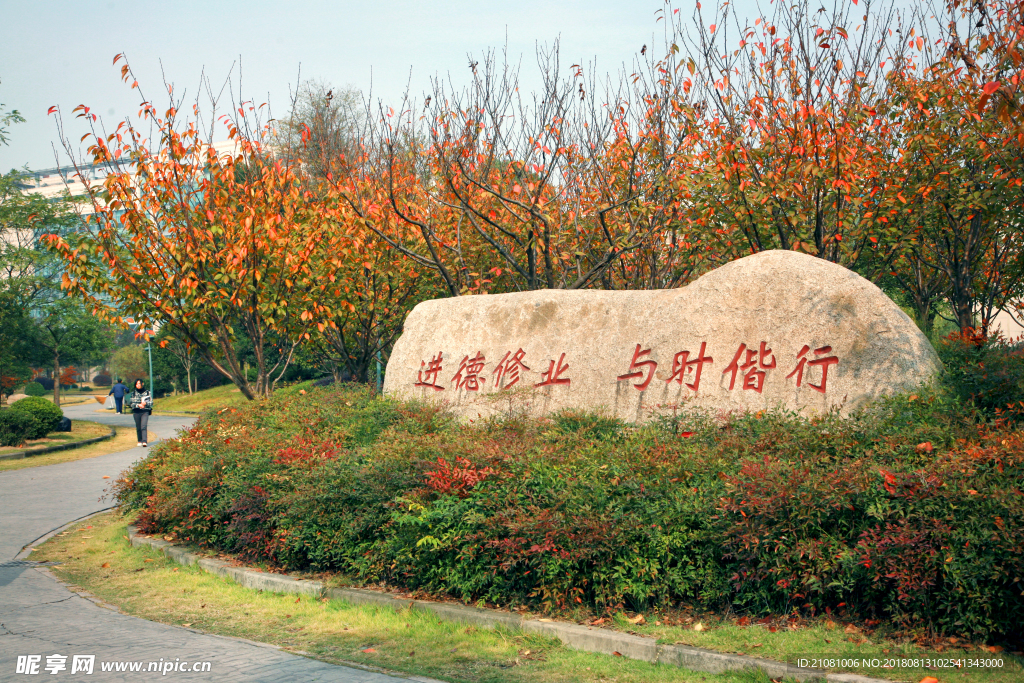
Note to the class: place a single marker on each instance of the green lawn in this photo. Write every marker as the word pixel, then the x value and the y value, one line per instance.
pixel 97 557
pixel 80 431
pixel 122 441
pixel 143 582
pixel 215 398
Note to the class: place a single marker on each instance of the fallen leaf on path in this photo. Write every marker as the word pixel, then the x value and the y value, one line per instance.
pixel 698 626
pixel 148 560
pixel 368 650
pixel 638 619
pixel 106 476
pixel 188 624
pixel 850 628
pixel 597 622
pixel 929 679
pixel 105 565
pixel 617 654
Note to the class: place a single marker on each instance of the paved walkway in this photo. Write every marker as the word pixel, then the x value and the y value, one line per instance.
pixel 40 616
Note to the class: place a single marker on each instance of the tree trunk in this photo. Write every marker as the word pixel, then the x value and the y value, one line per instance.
pixel 56 379
pixel 188 376
pixel 923 313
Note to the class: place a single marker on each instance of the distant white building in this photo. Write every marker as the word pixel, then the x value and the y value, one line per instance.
pixel 52 182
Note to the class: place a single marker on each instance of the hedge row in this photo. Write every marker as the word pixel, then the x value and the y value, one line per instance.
pixel 911 511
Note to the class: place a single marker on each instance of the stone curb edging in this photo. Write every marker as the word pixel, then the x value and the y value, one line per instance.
pixel 578 637
pixel 59 447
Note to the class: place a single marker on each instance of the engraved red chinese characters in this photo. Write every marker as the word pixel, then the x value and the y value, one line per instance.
pixel 681 365
pixel 428 372
pixel 468 376
pixel 637 367
pixel 753 367
pixel 824 363
pixel 554 372
pixel 509 368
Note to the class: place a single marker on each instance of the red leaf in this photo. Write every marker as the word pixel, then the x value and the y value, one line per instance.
pixel 369 650
pixel 51 110
pixel 711 28
pixel 991 87
pixel 686 435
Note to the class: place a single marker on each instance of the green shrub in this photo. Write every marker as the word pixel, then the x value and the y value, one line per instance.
pixel 15 427
pixel 46 416
pixel 909 510
pixel 988 372
pixel 34 389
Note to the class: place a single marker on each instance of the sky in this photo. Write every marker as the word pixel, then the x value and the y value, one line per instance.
pixel 60 53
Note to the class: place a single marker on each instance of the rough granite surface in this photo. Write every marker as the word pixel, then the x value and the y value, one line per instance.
pixel 775 329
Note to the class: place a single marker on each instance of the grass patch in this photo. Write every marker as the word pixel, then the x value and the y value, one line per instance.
pixel 207 399
pixel 785 640
pixel 122 441
pixel 97 557
pixel 80 431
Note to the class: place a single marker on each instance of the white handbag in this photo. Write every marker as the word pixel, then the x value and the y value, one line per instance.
pixel 109 405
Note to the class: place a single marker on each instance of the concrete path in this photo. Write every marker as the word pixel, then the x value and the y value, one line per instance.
pixel 40 617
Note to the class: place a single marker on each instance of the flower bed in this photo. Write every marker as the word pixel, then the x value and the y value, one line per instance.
pixel 911 511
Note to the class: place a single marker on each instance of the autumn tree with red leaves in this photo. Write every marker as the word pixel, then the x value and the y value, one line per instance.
pixel 207 245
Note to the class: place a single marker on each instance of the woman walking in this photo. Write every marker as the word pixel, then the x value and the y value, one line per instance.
pixel 141 403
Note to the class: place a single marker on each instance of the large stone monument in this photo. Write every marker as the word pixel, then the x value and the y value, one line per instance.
pixel 776 329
